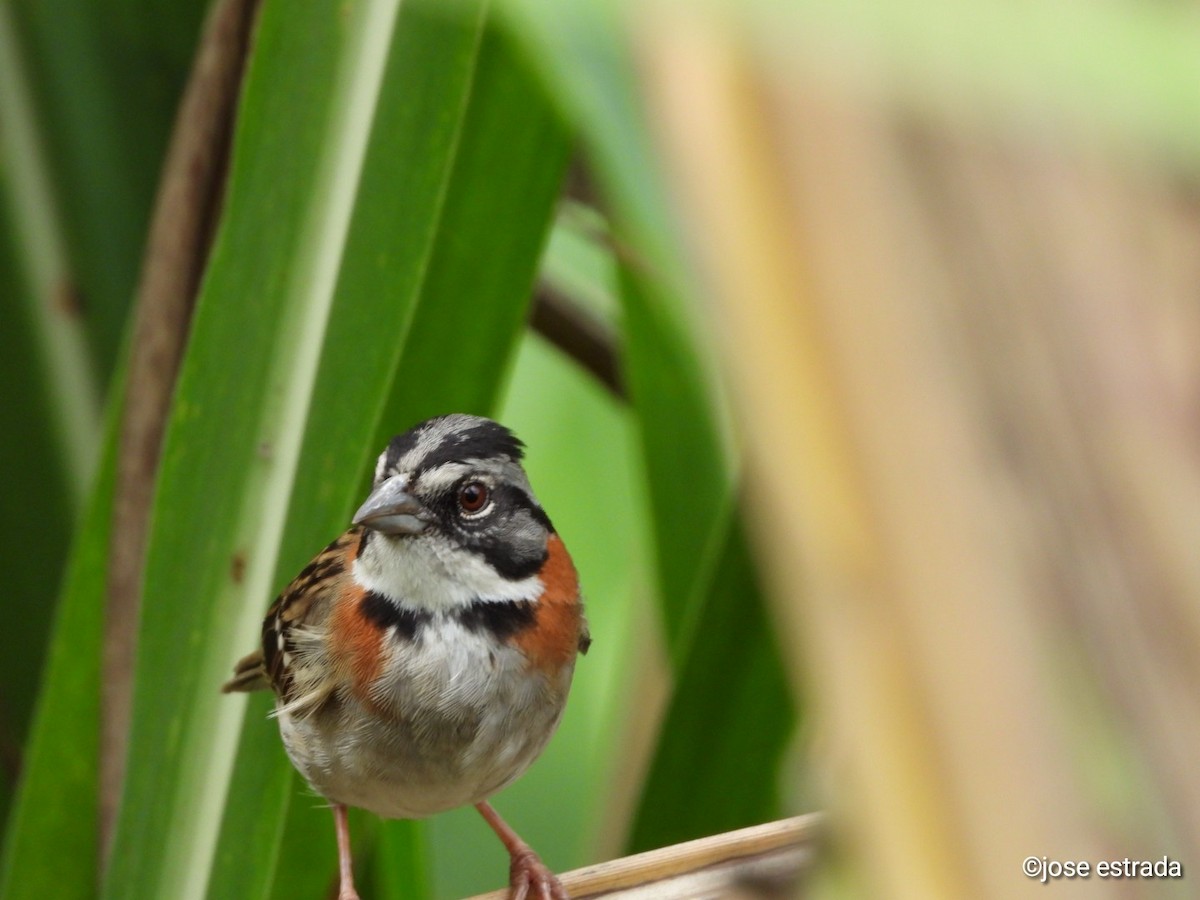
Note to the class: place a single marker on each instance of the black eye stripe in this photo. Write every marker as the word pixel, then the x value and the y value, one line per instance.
pixel 491 535
pixel 503 498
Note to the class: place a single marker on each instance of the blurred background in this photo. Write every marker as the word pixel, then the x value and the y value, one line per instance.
pixel 854 345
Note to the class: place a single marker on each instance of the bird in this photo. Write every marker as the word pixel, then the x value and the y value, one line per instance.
pixel 422 661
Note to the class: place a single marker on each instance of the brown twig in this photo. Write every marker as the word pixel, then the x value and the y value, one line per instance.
pixel 579 185
pixel 579 334
pixel 747 862
pixel 185 213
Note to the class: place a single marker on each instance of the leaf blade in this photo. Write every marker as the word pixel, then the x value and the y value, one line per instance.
pixel 383 277
pixel 56 803
pixel 264 395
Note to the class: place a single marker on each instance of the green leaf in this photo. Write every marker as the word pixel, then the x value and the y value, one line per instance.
pixel 591 71
pixel 50 418
pixel 105 77
pixel 686 474
pixel 261 788
pixel 35 508
pixel 729 722
pixel 56 806
pixel 400 862
pixel 471 280
pixel 233 442
pixel 512 156
pixel 731 715
pixel 708 588
pixel 362 185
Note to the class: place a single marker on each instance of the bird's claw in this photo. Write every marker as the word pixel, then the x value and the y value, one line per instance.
pixel 529 879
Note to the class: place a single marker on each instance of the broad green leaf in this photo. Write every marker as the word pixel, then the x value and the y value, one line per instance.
pixel 35 507
pixel 512 155
pixel 687 481
pixel 687 473
pixel 233 441
pixel 50 419
pixel 729 722
pixel 731 715
pixel 43 307
pixel 730 675
pixel 400 862
pixel 360 172
pixel 705 579
pixel 56 806
pixel 105 76
pixel 261 787
pixel 471 281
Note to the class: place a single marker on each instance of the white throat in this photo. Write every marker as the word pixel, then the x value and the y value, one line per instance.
pixel 430 572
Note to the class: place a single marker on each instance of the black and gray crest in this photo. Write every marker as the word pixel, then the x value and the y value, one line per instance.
pixel 457 437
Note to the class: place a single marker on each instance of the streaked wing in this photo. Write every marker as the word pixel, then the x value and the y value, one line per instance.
pixel 293 631
pixel 289 659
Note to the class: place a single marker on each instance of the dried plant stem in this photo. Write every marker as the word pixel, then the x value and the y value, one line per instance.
pixel 751 860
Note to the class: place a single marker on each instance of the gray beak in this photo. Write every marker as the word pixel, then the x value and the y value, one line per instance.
pixel 391 509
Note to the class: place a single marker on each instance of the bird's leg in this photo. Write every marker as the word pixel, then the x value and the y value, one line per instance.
pixel 527 875
pixel 345 870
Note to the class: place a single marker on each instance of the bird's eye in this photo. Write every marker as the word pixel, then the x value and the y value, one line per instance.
pixel 473 496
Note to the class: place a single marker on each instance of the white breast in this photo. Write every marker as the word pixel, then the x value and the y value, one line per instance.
pixel 455 718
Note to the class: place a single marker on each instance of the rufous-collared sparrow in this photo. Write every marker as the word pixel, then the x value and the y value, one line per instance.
pixel 422 660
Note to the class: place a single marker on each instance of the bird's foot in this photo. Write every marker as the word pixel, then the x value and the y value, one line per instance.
pixel 529 879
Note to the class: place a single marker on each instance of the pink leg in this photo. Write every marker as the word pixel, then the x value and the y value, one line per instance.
pixel 527 875
pixel 346 882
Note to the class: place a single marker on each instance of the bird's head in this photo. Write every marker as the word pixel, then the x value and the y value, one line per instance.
pixel 450 502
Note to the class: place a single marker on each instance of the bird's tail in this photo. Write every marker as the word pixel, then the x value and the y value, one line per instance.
pixel 248 675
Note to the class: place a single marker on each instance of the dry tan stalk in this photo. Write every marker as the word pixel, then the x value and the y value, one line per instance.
pixel 751 861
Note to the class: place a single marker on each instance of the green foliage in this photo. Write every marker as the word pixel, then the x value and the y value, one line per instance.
pixel 393 181
pixel 57 804
pixel 713 618
pixel 35 508
pixel 106 78
pixel 729 721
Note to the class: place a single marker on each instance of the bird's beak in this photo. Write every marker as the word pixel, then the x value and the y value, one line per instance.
pixel 391 509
